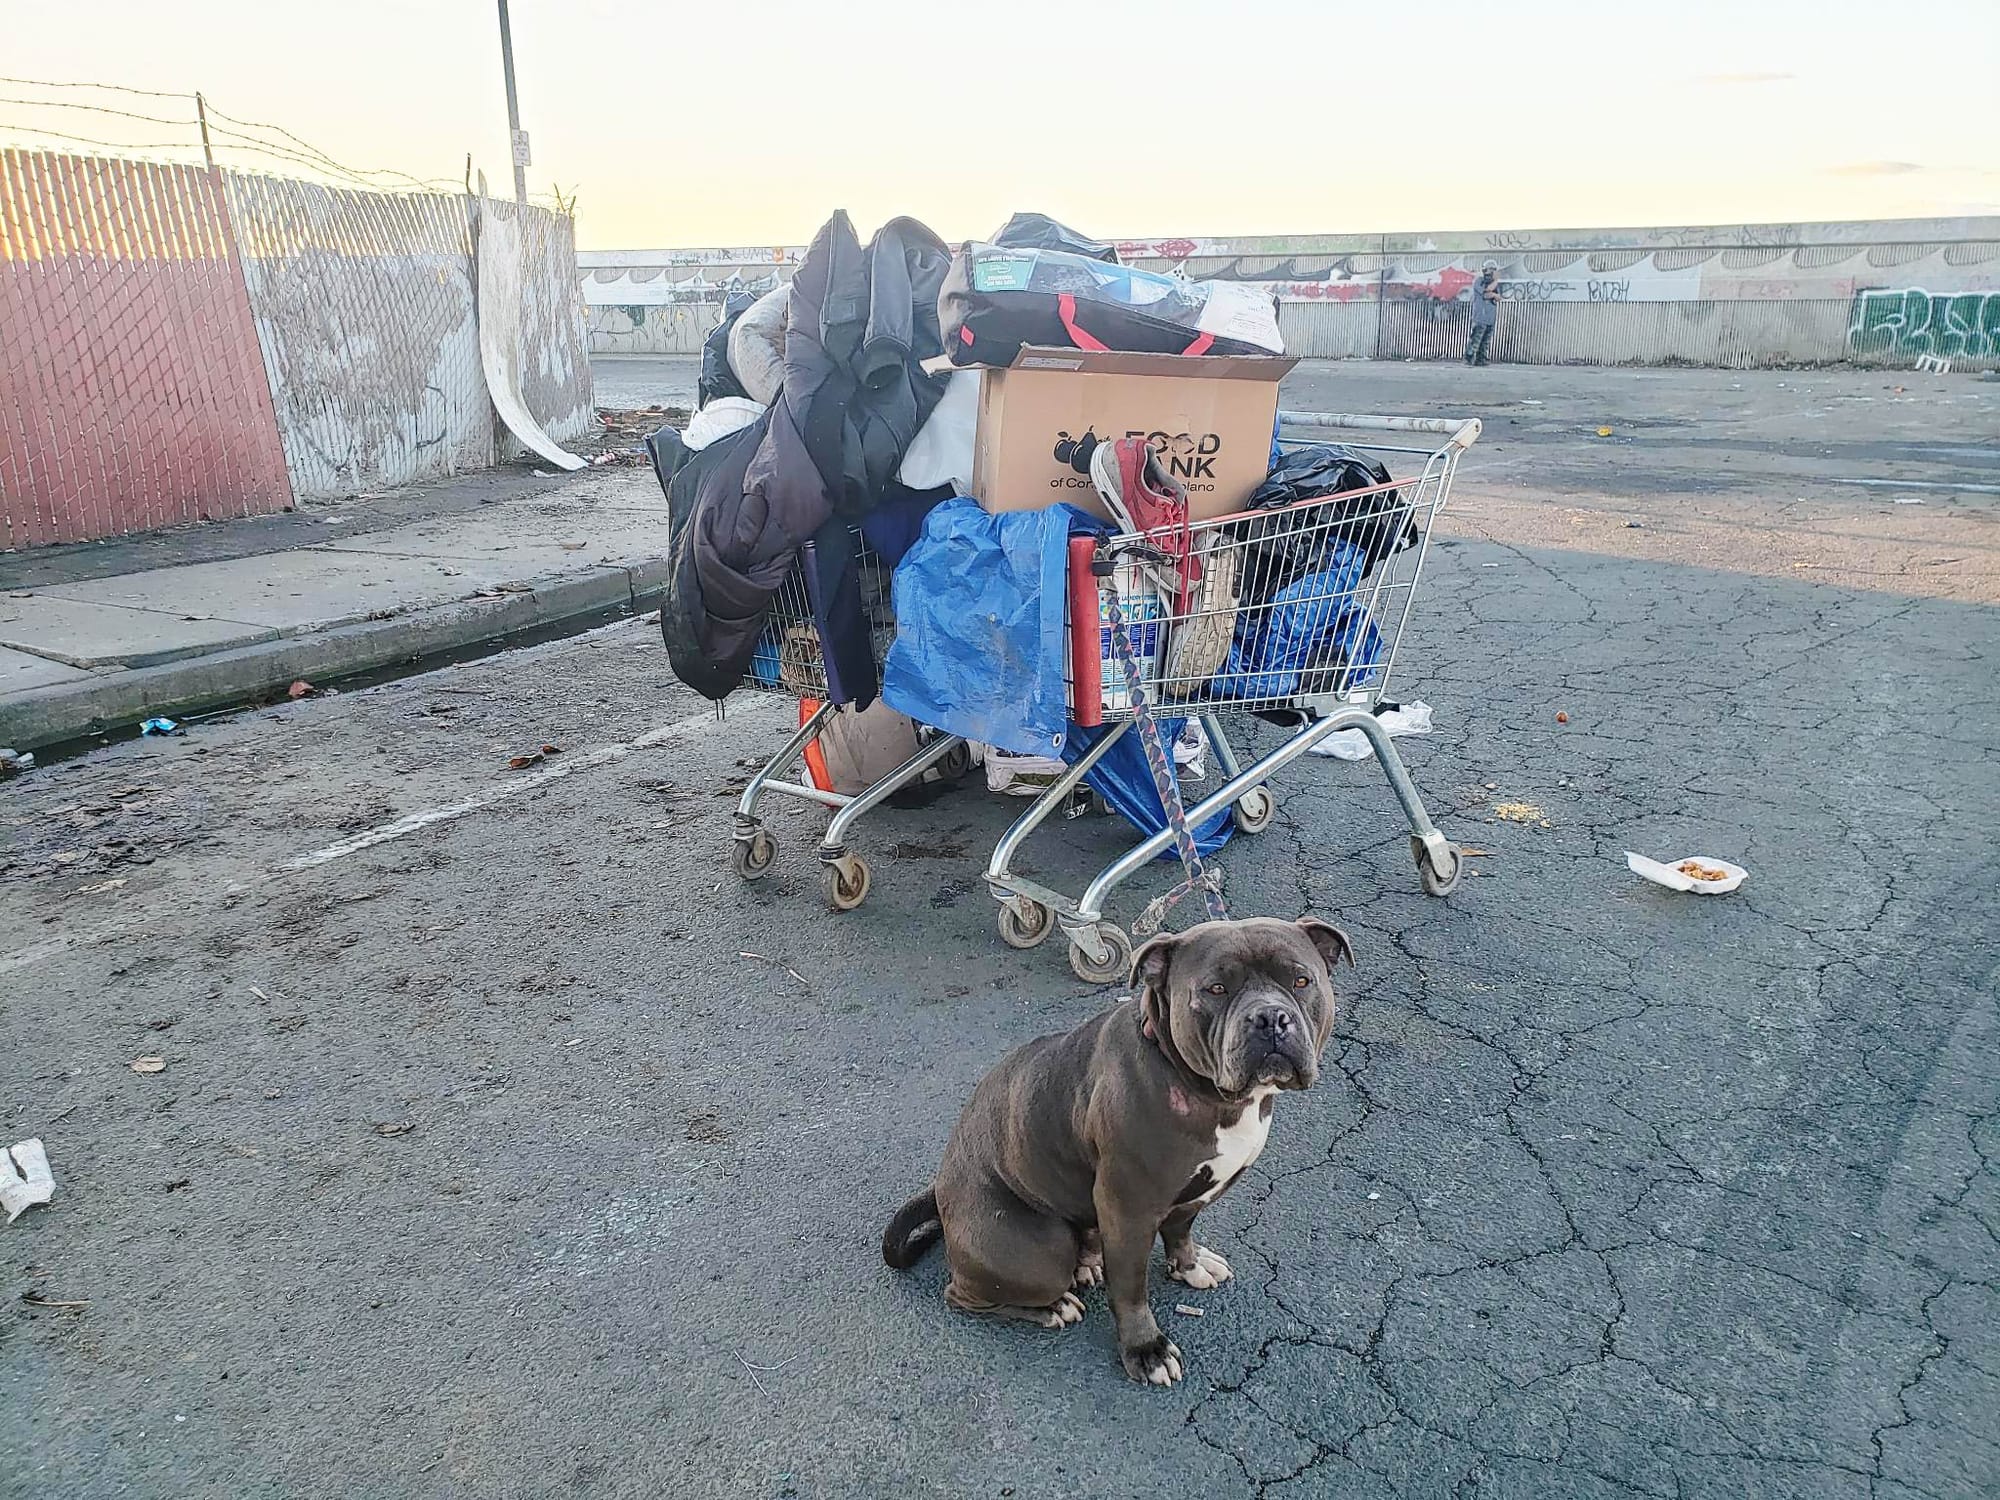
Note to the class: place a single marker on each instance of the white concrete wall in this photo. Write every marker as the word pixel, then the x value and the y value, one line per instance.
pixel 1735 295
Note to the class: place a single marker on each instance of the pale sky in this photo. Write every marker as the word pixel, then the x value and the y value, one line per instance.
pixel 745 122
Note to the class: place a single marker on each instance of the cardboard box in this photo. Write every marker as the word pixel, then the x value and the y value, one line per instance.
pixel 1210 416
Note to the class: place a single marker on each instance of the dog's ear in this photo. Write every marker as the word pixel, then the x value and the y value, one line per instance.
pixel 1149 981
pixel 1332 943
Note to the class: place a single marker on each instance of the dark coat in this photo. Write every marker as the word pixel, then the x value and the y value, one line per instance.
pixel 692 619
pixel 826 453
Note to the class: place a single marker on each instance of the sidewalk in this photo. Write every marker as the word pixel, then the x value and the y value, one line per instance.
pixel 102 635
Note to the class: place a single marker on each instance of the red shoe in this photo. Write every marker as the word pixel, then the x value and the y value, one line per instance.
pixel 1140 494
pixel 1146 500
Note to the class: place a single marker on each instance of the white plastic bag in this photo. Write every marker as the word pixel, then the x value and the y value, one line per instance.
pixel 1234 310
pixel 25 1179
pixel 941 452
pixel 1191 751
pixel 1020 775
pixel 1352 744
pixel 718 419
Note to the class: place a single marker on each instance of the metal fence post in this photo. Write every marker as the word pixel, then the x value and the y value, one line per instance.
pixel 201 114
pixel 1381 291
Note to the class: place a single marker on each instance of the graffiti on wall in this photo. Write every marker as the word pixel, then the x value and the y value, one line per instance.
pixel 1706 265
pixel 1911 321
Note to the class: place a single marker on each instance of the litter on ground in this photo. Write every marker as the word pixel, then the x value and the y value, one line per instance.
pixel 25 1179
pixel 1702 873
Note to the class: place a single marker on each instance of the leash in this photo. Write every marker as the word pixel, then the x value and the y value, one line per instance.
pixel 1198 876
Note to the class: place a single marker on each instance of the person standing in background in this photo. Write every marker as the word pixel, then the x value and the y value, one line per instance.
pixel 1485 313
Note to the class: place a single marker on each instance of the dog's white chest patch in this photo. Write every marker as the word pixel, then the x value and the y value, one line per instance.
pixel 1236 1146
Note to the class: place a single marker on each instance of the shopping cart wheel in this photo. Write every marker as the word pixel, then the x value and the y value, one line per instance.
pixel 1254 810
pixel 1025 923
pixel 955 762
pixel 844 883
pixel 1115 967
pixel 1437 882
pixel 751 858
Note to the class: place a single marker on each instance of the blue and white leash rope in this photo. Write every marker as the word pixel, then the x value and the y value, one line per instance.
pixel 1199 877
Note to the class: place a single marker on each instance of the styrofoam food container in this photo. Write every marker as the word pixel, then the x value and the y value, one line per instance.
pixel 1674 880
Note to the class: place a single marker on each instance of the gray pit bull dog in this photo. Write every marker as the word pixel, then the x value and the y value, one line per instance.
pixel 1077 1149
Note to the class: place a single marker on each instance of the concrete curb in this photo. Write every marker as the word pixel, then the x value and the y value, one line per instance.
pixel 111 700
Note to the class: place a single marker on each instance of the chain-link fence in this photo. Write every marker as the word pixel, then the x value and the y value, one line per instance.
pixel 131 391
pixel 554 361
pixel 364 307
pixel 184 344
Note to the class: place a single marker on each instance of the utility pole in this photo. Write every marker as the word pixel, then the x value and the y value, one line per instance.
pixel 517 137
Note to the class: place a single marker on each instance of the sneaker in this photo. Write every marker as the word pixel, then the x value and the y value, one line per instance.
pixel 1140 495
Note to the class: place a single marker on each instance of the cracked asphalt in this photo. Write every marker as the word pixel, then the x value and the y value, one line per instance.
pixel 531 1154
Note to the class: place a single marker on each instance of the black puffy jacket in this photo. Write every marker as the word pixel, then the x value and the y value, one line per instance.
pixel 861 322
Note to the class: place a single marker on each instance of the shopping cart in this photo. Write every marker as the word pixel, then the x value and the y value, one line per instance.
pixel 1296 612
pixel 790 660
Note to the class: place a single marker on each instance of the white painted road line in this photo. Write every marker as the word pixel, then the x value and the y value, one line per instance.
pixel 766 714
pixel 410 823
pixel 1916 484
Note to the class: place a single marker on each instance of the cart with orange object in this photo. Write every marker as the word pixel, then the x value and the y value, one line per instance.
pixel 790 660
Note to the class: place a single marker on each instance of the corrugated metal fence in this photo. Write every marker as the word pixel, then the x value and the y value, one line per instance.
pixel 180 344
pixel 1726 334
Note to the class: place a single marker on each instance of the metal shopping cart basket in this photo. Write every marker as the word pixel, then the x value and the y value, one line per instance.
pixel 1296 612
pixel 790 660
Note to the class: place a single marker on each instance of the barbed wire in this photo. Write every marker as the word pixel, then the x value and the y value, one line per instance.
pixel 110 88
pixel 310 148
pixel 301 153
pixel 224 139
pixel 99 109
pixel 86 140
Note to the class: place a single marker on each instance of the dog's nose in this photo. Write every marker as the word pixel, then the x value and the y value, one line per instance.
pixel 1274 1019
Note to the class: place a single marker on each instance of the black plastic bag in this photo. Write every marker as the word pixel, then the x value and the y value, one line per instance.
pixel 1285 548
pixel 717 379
pixel 1040 232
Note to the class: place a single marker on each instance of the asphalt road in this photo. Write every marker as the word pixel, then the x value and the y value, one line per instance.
pixel 527 1153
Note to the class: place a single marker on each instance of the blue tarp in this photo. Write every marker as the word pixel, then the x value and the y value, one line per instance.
pixel 1313 622
pixel 981 606
pixel 1125 782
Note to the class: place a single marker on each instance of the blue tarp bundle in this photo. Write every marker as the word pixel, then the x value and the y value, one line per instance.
pixel 982 602
pixel 982 611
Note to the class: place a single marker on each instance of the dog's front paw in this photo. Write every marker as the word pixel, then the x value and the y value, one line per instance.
pixel 1156 1362
pixel 1203 1269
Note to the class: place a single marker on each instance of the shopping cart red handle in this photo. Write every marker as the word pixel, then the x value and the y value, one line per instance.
pixel 1086 656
